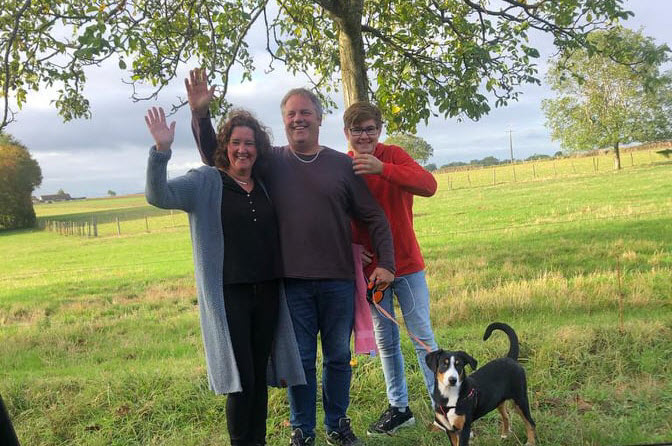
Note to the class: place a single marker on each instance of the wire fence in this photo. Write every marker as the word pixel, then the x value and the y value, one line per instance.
pixel 479 176
pixel 184 255
pixel 146 219
pixel 115 224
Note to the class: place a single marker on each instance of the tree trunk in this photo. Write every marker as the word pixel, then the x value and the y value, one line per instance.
pixel 617 157
pixel 351 50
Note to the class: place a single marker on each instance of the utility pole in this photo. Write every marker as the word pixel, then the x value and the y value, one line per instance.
pixel 511 144
pixel 511 151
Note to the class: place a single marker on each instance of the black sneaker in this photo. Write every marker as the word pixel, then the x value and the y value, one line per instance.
pixel 390 421
pixel 297 439
pixel 344 435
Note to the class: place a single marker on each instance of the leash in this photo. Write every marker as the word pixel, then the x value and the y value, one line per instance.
pixel 374 297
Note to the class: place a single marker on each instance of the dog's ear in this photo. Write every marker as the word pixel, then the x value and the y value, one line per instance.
pixel 432 359
pixel 469 360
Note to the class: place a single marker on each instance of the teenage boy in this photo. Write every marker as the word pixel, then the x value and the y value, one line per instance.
pixel 393 178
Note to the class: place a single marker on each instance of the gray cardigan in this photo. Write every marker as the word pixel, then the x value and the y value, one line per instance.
pixel 199 193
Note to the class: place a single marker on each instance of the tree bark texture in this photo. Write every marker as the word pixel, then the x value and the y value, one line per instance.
pixel 351 51
pixel 617 157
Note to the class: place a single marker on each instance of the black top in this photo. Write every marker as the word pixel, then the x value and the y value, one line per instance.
pixel 251 240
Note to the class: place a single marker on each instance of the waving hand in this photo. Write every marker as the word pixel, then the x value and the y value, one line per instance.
pixel 156 123
pixel 198 93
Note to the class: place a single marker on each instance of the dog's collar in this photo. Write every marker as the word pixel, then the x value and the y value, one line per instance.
pixel 445 409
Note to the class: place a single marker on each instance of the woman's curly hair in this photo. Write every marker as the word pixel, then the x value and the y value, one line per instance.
pixel 240 118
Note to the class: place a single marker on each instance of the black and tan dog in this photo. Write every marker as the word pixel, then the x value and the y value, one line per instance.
pixel 460 400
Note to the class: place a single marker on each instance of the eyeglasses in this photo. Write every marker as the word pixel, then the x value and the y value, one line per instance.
pixel 357 131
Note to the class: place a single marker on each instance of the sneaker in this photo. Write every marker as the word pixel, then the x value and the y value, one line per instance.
pixel 390 421
pixel 344 435
pixel 297 439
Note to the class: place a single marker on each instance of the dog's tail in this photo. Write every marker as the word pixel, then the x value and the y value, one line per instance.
pixel 513 339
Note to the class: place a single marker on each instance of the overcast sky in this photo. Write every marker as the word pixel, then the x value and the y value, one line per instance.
pixel 109 151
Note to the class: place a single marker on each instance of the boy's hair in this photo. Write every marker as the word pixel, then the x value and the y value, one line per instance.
pixel 362 111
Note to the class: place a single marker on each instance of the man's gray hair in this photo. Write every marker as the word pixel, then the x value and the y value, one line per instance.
pixel 306 93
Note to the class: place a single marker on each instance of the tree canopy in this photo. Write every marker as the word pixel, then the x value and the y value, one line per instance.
pixel 412 58
pixel 20 174
pixel 602 103
pixel 419 149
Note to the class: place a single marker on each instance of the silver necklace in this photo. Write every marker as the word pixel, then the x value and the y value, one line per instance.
pixel 244 183
pixel 306 161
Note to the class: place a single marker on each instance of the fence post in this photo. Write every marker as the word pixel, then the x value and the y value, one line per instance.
pixel 632 160
pixel 146 224
pixel 95 227
pixel 469 178
pixel 118 226
pixel 172 217
pixel 534 170
pixel 493 176
pixel 513 166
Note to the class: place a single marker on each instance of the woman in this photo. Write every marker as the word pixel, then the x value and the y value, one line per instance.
pixel 244 318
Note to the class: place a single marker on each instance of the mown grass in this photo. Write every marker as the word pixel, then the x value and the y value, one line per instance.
pixel 100 343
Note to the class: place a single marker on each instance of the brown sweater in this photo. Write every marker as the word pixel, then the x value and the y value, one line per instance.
pixel 314 202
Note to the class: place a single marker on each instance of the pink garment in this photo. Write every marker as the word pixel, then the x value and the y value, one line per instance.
pixel 365 341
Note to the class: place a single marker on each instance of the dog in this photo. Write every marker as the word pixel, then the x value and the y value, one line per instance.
pixel 459 400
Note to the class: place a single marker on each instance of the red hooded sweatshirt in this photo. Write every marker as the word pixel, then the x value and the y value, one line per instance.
pixel 394 188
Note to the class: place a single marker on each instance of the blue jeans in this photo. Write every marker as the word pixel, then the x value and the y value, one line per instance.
pixel 413 296
pixel 327 307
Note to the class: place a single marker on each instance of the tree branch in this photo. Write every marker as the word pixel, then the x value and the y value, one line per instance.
pixel 8 115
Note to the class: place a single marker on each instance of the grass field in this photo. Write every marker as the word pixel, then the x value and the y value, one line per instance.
pixel 100 343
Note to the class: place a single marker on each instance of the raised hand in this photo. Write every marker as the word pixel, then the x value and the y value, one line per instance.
pixel 163 134
pixel 198 93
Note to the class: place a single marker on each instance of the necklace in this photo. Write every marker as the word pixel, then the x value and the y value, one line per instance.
pixel 244 183
pixel 309 160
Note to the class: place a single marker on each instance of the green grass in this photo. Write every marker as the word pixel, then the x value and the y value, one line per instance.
pixel 100 343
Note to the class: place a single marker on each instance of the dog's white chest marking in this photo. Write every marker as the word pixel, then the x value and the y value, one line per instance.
pixel 451 393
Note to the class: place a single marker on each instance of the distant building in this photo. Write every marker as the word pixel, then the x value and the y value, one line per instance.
pixel 55 197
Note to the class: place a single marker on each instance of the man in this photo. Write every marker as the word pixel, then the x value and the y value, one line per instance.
pixel 393 178
pixel 315 195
